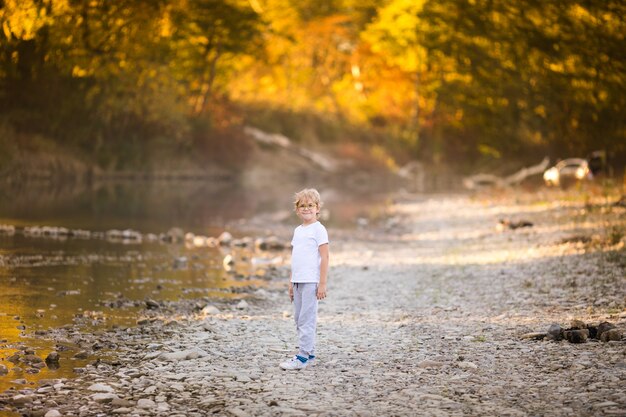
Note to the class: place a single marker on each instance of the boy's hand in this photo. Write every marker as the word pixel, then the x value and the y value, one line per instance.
pixel 291 291
pixel 321 291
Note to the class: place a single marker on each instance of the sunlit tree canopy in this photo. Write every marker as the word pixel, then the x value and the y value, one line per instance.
pixel 431 80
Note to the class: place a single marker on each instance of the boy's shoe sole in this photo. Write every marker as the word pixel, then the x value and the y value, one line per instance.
pixel 294 364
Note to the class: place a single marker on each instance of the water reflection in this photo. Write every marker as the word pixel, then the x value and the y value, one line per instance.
pixel 145 206
pixel 152 207
pixel 95 283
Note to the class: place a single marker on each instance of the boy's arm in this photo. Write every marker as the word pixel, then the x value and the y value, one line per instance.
pixel 290 288
pixel 325 256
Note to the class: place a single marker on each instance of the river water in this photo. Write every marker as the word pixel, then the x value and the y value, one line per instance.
pixel 48 282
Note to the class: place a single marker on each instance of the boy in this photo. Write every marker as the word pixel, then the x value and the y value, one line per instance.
pixel 309 273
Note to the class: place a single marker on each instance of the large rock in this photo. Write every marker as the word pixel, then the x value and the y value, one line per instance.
pixel 604 327
pixel 611 335
pixel 577 325
pixel 576 336
pixel 555 332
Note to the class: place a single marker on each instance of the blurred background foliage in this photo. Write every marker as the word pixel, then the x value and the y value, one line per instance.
pixel 462 82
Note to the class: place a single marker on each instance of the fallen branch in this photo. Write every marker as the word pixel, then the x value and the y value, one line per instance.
pixel 489 180
pixel 281 141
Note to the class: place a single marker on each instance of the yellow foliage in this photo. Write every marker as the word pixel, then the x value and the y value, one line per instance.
pixel 78 72
pixel 393 34
pixel 165 25
pixel 21 18
pixel 540 111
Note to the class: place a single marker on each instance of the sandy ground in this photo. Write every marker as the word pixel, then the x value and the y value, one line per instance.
pixel 425 316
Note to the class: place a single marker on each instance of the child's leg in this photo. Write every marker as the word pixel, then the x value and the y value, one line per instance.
pixel 297 303
pixel 307 319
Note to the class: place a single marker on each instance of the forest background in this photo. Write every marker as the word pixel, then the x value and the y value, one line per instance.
pixel 468 84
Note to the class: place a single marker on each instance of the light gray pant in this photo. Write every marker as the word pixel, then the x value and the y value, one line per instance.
pixel 305 314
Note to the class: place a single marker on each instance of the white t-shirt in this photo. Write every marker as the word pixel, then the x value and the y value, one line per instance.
pixel 305 254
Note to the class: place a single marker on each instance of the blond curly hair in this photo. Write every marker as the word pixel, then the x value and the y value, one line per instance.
pixel 309 195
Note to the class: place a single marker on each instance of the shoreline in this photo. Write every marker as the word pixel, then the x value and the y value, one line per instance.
pixel 425 316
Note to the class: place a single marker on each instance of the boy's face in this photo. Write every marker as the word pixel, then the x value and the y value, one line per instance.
pixel 307 211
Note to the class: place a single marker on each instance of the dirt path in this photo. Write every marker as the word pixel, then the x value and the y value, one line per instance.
pixel 424 317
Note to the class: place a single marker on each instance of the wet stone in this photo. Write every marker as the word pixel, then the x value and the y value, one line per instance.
pixel 82 355
pixel 52 360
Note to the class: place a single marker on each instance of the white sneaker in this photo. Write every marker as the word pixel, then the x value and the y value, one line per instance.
pixel 311 361
pixel 294 364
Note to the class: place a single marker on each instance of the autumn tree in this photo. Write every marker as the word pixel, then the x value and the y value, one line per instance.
pixel 529 75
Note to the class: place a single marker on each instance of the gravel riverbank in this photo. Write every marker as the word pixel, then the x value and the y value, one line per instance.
pixel 425 316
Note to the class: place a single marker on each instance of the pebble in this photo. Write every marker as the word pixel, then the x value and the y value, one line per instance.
pixel 146 404
pixel 467 365
pixel 604 404
pixel 22 399
pixel 237 412
pixel 104 397
pixel 100 388
pixel 208 310
pixel 193 353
